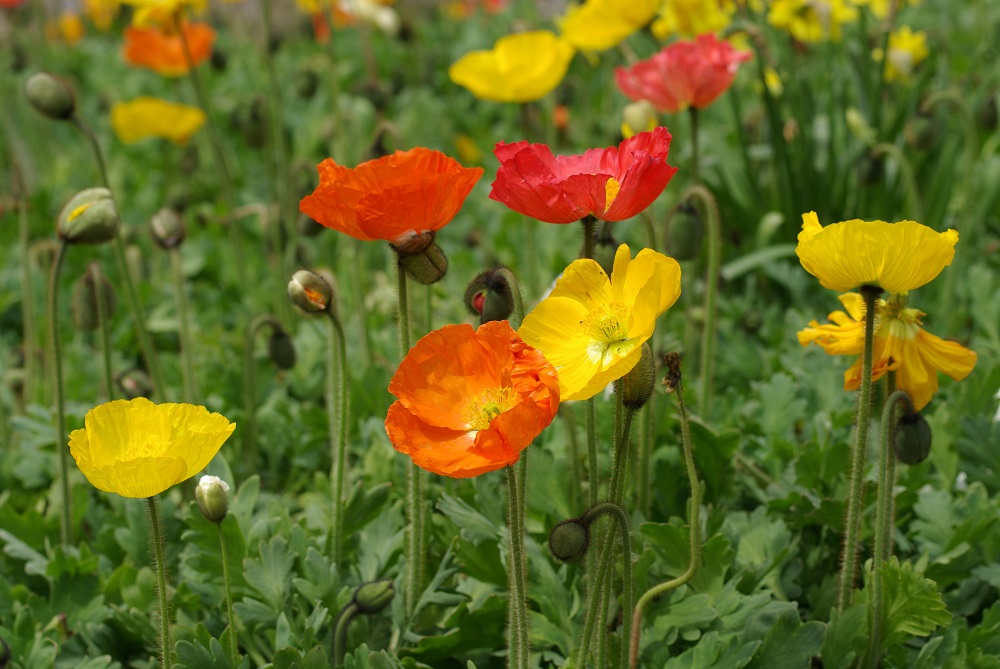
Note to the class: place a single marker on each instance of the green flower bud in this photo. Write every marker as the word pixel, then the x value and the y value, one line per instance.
pixel 569 540
pixel 84 305
pixel 309 291
pixel 370 598
pixel 913 439
pixel 637 385
pixel 281 349
pixel 684 233
pixel 426 266
pixel 90 217
pixel 167 228
pixel 490 296
pixel 50 95
pixel 212 495
pixel 135 383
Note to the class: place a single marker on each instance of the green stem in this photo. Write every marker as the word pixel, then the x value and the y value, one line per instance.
pixel 694 537
pixel 520 654
pixel 250 385
pixel 55 347
pixel 515 291
pixel 693 115
pixel 589 226
pixel 358 254
pixel 714 230
pixel 98 154
pixel 593 478
pixel 160 567
pixel 336 404
pixel 644 486
pixel 234 650
pixel 883 66
pixel 883 521
pixel 103 327
pixel 135 307
pixel 340 632
pixel 218 155
pixel 650 228
pixel 27 296
pixel 628 590
pixel 187 344
pixel 852 532
pixel 576 476
pixel 889 501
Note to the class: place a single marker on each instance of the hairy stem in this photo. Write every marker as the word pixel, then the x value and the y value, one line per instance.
pixel 55 348
pixel 162 578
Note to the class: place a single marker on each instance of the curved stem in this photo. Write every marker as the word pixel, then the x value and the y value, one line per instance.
pixel 628 590
pixel 160 567
pixel 187 352
pixel 336 406
pixel 55 347
pixel 694 523
pixel 906 170
pixel 250 384
pixel 98 154
pixel 234 650
pixel 340 632
pixel 852 532
pixel 515 291
pixel 714 230
pixel 520 654
pixel 883 522
pixel 103 327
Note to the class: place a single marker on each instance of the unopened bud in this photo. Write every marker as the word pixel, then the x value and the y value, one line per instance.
pixel 167 228
pixel 913 439
pixel 370 598
pixel 684 233
pixel 50 95
pixel 90 217
pixel 309 291
pixel 212 495
pixel 638 117
pixel 427 266
pixel 490 296
pixel 637 385
pixel 569 540
pixel 86 291
pixel 135 383
pixel 281 349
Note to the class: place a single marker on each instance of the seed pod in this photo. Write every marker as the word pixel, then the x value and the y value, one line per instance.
pixel 50 95
pixel 212 495
pixel 569 540
pixel 90 217
pixel 913 439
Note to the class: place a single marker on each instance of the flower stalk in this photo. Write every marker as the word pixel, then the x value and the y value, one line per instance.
pixel 250 384
pixel 55 349
pixel 519 654
pixel 162 578
pixel 234 652
pixel 336 404
pixel 103 328
pixel 187 344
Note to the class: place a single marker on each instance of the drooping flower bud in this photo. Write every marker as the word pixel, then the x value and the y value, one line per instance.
pixel 167 228
pixel 637 385
pixel 281 349
pixel 309 291
pixel 426 266
pixel 135 383
pixel 569 540
pixel 212 495
pixel 84 305
pixel 90 217
pixel 370 598
pixel 50 95
pixel 913 439
pixel 684 233
pixel 490 296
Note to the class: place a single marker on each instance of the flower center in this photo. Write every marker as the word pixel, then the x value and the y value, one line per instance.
pixel 608 326
pixel 611 188
pixel 492 402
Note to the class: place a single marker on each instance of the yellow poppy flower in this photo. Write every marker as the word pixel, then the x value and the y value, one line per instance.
pixel 907 49
pixel 591 328
pixel 597 25
pixel 521 67
pixel 151 117
pixel 880 8
pixel 897 257
pixel 812 20
pixel 67 28
pixel 901 345
pixel 139 449
pixel 690 18
pixel 162 12
pixel 101 13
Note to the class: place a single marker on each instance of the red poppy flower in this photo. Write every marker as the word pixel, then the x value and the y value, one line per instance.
pixel 10 4
pixel 162 51
pixel 684 74
pixel 611 184
pixel 470 401
pixel 393 197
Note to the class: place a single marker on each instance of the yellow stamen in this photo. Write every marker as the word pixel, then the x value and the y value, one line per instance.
pixel 481 411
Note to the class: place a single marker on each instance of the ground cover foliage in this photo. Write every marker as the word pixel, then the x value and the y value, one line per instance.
pixel 771 447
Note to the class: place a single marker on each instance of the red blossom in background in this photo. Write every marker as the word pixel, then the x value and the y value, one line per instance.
pixel 684 74
pixel 611 184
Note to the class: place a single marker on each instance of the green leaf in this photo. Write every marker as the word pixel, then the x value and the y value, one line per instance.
pixel 474 527
pixel 789 643
pixel 712 652
pixel 912 604
pixel 846 637
pixel 271 573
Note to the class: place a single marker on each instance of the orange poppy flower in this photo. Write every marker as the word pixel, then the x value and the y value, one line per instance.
pixel 470 400
pixel 393 198
pixel 162 51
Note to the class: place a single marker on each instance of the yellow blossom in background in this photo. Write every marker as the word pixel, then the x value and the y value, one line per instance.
pixel 690 18
pixel 152 117
pixel 597 25
pixel 901 345
pixel 67 27
pixel 898 257
pixel 773 81
pixel 907 49
pixel 162 12
pixel 101 13
pixel 880 8
pixel 592 328
pixel 139 449
pixel 520 68
pixel 467 150
pixel 812 20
